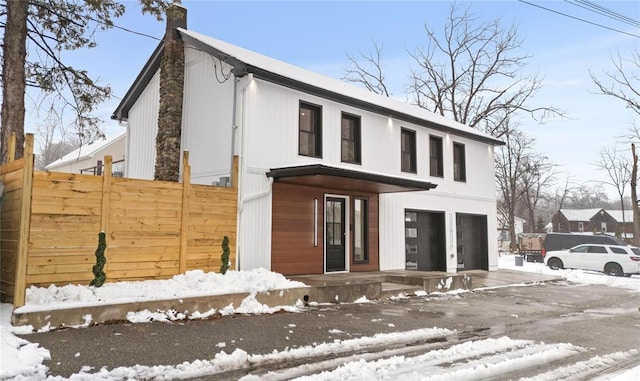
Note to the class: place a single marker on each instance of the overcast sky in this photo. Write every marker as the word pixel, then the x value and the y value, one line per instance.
pixel 319 35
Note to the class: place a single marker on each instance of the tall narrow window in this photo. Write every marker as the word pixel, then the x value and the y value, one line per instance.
pixel 360 229
pixel 435 157
pixel 351 139
pixel 310 130
pixel 408 151
pixel 459 166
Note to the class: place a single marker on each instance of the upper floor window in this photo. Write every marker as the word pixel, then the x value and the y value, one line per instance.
pixel 351 139
pixel 459 166
pixel 436 168
pixel 310 130
pixel 408 151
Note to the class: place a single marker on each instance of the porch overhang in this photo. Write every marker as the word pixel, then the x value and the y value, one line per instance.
pixel 318 175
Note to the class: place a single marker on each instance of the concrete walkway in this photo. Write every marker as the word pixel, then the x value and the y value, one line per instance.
pixel 325 288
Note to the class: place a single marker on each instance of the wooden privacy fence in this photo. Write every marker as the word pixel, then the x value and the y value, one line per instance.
pixel 49 226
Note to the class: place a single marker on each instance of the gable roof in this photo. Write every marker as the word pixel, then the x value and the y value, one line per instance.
pixel 87 150
pixel 617 215
pixel 580 214
pixel 266 68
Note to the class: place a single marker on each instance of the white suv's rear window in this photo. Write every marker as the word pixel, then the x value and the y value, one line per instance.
pixel 618 250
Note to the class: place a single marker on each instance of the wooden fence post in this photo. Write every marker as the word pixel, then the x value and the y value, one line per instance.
pixel 184 228
pixel 19 294
pixel 106 200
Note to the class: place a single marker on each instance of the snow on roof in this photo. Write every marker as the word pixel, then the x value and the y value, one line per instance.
pixel 617 215
pixel 234 53
pixel 579 214
pixel 87 150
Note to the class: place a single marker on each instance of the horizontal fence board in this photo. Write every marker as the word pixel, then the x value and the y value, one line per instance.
pixel 121 266
pixel 73 259
pixel 60 279
pixel 67 268
pixel 142 274
pixel 144 226
pixel 118 211
pixel 140 242
pixel 13 167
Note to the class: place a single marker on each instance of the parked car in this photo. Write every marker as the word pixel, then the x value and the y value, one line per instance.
pixel 564 241
pixel 615 260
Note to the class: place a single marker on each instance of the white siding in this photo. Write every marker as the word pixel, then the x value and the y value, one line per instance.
pixel 207 116
pixel 141 132
pixel 271 125
pixel 254 244
pixel 392 239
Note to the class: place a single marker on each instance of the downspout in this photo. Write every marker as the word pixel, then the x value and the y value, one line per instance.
pixel 239 128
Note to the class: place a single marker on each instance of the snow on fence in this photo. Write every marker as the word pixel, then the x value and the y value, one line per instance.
pixel 50 221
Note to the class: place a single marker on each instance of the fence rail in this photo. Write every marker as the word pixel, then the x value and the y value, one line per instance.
pixel 50 221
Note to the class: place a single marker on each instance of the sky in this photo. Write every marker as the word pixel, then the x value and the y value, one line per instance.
pixel 24 359
pixel 318 35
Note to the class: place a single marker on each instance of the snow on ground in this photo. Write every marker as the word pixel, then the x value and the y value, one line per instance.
pixel 192 283
pixel 507 261
pixel 22 360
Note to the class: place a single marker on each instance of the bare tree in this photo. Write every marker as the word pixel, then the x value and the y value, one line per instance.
pixel 537 177
pixel 617 168
pixel 471 73
pixel 510 165
pixel 634 196
pixel 623 83
pixel 54 142
pixel 369 71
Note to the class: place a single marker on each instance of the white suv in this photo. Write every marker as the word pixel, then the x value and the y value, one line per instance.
pixel 610 259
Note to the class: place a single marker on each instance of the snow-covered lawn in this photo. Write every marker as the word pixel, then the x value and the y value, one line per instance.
pixel 22 360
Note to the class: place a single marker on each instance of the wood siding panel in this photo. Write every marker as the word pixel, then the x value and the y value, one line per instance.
pixel 292 250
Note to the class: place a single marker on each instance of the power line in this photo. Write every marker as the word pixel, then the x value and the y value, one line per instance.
pixel 579 19
pixel 593 7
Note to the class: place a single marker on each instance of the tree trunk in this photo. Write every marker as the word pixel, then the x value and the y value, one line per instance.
pixel 13 77
pixel 634 196
pixel 171 96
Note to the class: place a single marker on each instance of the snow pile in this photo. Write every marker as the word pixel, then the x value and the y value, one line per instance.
pixel 191 284
pixel 19 357
pixel 507 261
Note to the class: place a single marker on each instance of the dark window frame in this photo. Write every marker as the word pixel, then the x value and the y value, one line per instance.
pixel 317 148
pixel 356 141
pixel 365 230
pixel 459 162
pixel 436 156
pixel 413 168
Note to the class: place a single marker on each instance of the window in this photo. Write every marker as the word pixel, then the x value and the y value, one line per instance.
pixel 435 157
pixel 581 226
pixel 310 130
pixel 459 167
pixel 360 229
pixel 597 249
pixel 408 151
pixel 351 139
pixel 618 250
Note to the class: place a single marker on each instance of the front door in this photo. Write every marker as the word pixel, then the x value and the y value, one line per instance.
pixel 335 236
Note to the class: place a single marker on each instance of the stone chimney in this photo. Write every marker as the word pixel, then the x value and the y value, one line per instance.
pixel 171 96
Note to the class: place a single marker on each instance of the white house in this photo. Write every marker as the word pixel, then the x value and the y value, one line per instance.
pixel 331 177
pixel 88 158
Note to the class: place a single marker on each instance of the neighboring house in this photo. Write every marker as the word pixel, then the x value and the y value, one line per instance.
pixel 595 220
pixel 88 159
pixel 624 225
pixel 331 177
pixel 504 241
